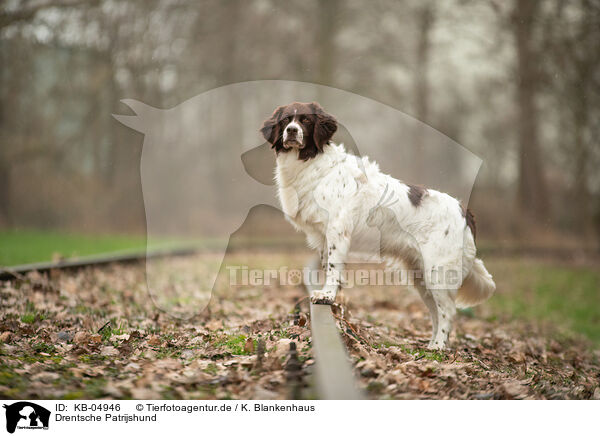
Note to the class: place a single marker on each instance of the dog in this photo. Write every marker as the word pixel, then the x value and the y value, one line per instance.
pixel 337 198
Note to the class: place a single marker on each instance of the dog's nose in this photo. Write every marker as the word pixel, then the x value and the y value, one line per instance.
pixel 292 129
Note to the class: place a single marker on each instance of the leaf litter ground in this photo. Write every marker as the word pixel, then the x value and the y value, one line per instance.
pixel 95 333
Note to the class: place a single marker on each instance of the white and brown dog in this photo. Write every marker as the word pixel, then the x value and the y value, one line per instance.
pixel 424 229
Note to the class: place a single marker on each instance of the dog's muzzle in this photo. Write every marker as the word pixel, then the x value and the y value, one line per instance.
pixel 293 136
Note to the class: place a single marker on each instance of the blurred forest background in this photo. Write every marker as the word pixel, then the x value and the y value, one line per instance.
pixel 515 82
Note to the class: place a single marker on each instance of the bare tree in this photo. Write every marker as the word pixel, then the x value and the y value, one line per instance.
pixel 328 11
pixel 425 19
pixel 531 191
pixel 575 37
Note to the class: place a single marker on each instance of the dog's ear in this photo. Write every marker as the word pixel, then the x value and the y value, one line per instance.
pixel 325 126
pixel 271 130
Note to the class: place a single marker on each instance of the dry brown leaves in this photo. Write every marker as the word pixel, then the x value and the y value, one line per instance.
pixel 56 343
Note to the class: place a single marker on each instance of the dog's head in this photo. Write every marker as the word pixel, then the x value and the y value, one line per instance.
pixel 304 127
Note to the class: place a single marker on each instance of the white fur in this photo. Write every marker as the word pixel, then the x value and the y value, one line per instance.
pixel 338 199
pixel 299 135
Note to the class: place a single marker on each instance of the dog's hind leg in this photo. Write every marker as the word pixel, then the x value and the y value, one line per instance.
pixel 442 273
pixel 430 302
pixel 444 301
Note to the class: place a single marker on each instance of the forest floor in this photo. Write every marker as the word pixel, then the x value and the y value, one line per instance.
pixel 95 333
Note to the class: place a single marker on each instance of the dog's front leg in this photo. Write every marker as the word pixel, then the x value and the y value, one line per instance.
pixel 317 240
pixel 323 257
pixel 337 246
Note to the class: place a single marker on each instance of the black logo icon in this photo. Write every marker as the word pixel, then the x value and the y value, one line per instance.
pixel 26 415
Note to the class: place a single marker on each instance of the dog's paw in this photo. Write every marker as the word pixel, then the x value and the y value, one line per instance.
pixel 436 346
pixel 322 297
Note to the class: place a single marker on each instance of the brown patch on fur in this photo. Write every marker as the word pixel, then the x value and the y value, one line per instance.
pixel 470 219
pixel 416 194
pixel 318 128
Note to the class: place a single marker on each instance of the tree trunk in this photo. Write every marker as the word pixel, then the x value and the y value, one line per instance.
pixel 580 122
pixel 532 194
pixel 5 218
pixel 425 20
pixel 327 28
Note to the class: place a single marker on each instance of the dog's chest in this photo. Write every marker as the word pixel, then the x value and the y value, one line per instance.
pixel 288 197
pixel 298 191
pixel 301 206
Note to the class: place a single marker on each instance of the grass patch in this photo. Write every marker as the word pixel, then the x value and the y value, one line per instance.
pixel 565 296
pixel 92 358
pixel 10 379
pixel 234 344
pixel 28 318
pixel 384 344
pixel 31 314
pixel 23 246
pixel 29 246
pixel 42 347
pixel 438 356
pixel 109 330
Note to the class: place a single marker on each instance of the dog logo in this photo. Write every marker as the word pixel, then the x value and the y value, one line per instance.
pixel 26 415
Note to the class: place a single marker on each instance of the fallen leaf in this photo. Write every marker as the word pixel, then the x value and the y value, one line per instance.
pixel 81 338
pixel 516 356
pixel 109 351
pixel 154 340
pixel 249 346
pixel 514 390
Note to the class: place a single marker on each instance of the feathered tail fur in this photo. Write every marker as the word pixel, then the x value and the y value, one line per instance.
pixel 477 287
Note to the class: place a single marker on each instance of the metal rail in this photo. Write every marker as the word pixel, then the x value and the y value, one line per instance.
pixel 10 273
pixel 335 380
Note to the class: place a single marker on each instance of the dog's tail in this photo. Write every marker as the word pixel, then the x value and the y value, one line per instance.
pixel 477 287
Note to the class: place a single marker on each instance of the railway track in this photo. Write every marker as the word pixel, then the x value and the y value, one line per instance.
pixel 335 380
pixel 333 371
pixel 9 273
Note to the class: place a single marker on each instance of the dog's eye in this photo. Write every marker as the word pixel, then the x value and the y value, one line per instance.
pixel 305 120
